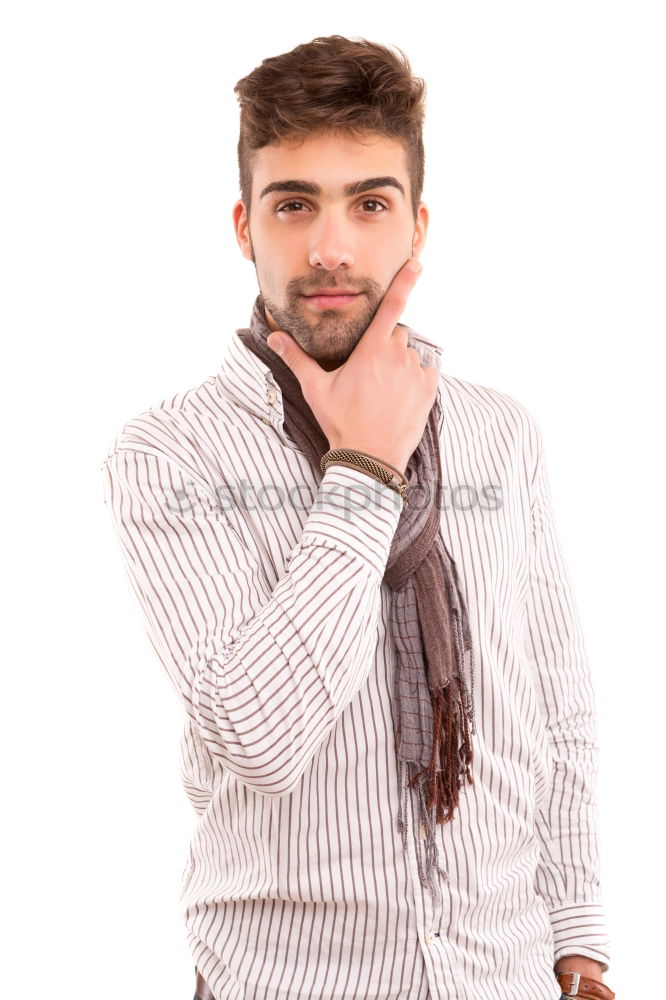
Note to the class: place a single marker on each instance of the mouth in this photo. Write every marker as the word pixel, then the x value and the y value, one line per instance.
pixel 332 300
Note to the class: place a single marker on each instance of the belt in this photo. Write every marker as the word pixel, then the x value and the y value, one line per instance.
pixel 202 988
pixel 573 984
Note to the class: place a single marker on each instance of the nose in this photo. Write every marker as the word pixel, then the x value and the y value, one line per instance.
pixel 330 245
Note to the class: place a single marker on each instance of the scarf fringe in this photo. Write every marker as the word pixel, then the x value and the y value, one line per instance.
pixel 438 785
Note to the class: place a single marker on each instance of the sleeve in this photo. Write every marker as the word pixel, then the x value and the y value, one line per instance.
pixel 264 674
pixel 568 875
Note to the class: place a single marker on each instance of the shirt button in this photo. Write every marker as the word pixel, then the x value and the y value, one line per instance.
pixel 422 831
pixel 265 420
pixel 271 396
pixel 429 938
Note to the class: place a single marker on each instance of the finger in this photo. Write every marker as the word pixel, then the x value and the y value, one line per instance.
pixel 293 355
pixel 401 335
pixel 431 376
pixel 380 329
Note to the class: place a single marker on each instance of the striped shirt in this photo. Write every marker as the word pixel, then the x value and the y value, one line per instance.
pixel 261 588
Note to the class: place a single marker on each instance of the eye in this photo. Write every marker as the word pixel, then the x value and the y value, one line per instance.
pixel 375 201
pixel 287 204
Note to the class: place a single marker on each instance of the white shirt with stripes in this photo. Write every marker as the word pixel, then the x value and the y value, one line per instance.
pixel 261 589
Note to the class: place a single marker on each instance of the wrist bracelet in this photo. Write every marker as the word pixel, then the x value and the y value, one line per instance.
pixel 354 458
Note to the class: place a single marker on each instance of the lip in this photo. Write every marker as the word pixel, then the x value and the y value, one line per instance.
pixel 331 291
pixel 335 300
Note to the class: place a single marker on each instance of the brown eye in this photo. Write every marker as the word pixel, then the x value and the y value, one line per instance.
pixel 287 204
pixel 375 201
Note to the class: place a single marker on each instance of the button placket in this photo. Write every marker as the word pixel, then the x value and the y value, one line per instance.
pixel 272 399
pixel 271 396
pixel 441 955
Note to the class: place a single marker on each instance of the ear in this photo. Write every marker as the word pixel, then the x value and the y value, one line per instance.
pixel 242 229
pixel 420 229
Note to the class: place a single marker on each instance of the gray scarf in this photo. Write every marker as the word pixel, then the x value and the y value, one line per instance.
pixel 433 706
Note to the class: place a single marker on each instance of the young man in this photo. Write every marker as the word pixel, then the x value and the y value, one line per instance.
pixel 390 735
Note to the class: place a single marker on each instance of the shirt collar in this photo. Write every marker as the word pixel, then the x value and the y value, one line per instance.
pixel 249 383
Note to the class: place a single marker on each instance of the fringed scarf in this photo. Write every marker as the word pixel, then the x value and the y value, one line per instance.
pixel 433 707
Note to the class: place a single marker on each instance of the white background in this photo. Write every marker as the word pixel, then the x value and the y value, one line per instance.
pixel 543 277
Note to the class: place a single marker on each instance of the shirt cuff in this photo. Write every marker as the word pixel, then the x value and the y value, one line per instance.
pixel 354 512
pixel 580 929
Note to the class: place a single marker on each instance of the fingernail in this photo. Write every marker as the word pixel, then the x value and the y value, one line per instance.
pixel 415 265
pixel 276 344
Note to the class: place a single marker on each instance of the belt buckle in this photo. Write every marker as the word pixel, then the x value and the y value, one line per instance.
pixel 575 983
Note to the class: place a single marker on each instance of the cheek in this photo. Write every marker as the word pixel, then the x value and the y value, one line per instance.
pixel 389 256
pixel 284 257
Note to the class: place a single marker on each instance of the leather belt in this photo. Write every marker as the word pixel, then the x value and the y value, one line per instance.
pixel 202 988
pixel 573 984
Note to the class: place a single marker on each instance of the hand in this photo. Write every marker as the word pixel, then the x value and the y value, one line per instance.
pixel 580 963
pixel 378 401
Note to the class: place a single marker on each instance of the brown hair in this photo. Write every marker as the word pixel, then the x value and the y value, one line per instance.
pixel 332 85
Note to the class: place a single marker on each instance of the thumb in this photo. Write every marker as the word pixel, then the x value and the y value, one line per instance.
pixel 292 354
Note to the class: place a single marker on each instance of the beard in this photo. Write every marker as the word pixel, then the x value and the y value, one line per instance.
pixel 327 335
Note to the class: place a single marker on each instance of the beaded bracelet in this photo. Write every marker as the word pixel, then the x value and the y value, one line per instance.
pixel 354 459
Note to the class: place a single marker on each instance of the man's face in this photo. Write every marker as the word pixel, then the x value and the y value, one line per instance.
pixel 311 236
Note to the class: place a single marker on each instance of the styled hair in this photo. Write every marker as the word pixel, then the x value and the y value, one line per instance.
pixel 334 85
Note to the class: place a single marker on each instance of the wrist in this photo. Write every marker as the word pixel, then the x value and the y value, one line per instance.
pixel 580 963
pixel 370 464
pixel 580 976
pixel 383 456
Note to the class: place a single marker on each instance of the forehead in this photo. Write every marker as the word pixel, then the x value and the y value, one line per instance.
pixel 331 161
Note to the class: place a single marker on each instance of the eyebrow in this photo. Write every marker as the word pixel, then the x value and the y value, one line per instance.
pixel 356 187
